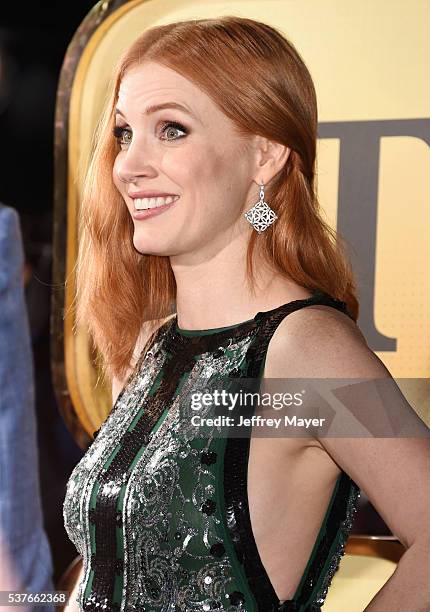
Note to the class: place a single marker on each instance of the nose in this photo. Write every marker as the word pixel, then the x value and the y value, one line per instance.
pixel 130 166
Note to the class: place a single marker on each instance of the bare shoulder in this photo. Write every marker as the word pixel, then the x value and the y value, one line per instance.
pixel 148 329
pixel 321 341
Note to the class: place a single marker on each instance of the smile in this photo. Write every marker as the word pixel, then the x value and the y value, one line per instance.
pixel 147 203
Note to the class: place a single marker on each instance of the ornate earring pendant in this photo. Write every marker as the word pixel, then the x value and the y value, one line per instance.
pixel 260 216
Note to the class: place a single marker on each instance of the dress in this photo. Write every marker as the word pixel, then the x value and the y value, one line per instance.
pixel 160 514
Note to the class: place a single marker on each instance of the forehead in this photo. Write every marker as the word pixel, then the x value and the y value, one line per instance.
pixel 152 83
pixel 151 76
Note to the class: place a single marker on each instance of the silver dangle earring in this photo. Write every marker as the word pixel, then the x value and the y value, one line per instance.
pixel 260 216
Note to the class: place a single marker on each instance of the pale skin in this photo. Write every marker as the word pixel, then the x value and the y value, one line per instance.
pixel 205 235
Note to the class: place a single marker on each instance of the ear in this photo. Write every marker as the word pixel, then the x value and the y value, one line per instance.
pixel 271 157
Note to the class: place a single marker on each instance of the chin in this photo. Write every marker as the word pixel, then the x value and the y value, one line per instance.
pixel 146 246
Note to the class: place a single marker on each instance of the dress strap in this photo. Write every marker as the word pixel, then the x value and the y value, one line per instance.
pixel 257 352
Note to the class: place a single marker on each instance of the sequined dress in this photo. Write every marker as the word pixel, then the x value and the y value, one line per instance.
pixel 160 515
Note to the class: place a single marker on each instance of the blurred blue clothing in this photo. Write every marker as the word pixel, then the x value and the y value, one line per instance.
pixel 21 519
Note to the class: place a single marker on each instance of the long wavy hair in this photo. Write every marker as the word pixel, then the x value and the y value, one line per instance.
pixel 259 80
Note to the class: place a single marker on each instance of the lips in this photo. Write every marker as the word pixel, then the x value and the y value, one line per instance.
pixel 151 212
pixel 150 194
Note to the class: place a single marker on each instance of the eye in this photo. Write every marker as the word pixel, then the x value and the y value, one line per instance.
pixel 121 135
pixel 173 125
pixel 124 135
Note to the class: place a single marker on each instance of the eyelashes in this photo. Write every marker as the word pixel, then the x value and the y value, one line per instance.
pixel 175 125
pixel 120 132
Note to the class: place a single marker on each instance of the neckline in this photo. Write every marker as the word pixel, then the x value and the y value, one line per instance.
pixel 209 331
pixel 213 331
pixel 195 342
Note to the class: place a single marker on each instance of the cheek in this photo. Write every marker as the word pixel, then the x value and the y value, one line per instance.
pixel 207 172
pixel 218 177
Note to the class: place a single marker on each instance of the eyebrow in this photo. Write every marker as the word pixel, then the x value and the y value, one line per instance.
pixel 156 107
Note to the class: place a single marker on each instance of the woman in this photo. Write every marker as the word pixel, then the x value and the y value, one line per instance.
pixel 207 119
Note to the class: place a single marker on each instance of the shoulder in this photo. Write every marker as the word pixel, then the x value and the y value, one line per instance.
pixel 147 332
pixel 321 341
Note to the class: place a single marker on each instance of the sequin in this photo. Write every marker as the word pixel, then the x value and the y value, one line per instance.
pixel 167 505
pixel 217 549
pixel 208 458
pixel 208 507
pixel 236 598
pixel 235 372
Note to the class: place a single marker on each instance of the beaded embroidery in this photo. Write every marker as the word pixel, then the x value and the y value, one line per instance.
pixel 160 513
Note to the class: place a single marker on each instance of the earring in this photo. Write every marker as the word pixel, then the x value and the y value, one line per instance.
pixel 260 216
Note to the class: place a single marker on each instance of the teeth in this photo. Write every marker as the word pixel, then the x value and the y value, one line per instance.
pixel 146 203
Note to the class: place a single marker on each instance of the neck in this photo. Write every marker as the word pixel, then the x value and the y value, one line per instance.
pixel 214 292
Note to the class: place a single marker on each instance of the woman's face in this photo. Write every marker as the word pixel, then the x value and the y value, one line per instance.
pixel 194 155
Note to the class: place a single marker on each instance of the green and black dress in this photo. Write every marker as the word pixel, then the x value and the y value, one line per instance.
pixel 160 514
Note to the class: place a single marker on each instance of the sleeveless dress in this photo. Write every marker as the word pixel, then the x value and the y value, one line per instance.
pixel 160 515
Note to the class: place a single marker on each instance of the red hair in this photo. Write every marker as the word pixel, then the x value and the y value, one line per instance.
pixel 258 79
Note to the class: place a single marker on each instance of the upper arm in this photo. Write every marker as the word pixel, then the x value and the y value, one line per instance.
pixel 392 469
pixel 72 604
